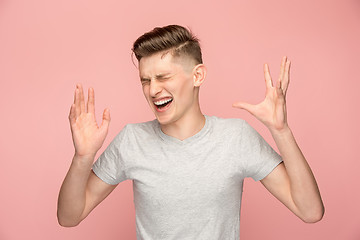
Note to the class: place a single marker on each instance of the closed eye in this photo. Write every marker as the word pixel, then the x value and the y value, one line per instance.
pixel 163 78
pixel 158 77
pixel 144 80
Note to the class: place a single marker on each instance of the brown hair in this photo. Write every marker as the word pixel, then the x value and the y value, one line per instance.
pixel 179 40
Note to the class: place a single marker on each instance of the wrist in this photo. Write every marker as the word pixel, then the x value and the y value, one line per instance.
pixel 285 131
pixel 84 160
pixel 84 156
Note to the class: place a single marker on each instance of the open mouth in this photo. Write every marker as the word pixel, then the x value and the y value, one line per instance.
pixel 162 104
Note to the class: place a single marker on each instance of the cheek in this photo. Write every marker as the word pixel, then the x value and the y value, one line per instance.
pixel 185 89
pixel 145 90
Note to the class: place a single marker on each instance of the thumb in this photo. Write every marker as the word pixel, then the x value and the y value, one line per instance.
pixel 106 119
pixel 246 106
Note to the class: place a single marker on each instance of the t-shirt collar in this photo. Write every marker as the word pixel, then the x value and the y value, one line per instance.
pixel 188 140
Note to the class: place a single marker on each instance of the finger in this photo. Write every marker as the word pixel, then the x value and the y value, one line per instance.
pixel 280 93
pixel 268 80
pixel 77 102
pixel 286 79
pixel 82 100
pixel 106 120
pixel 246 106
pixel 72 114
pixel 91 101
pixel 282 71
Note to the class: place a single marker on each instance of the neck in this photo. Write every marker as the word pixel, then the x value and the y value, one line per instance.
pixel 185 127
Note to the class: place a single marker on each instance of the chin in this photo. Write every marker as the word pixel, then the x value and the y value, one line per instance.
pixel 163 120
pixel 166 119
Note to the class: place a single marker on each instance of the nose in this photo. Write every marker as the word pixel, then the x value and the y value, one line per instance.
pixel 155 88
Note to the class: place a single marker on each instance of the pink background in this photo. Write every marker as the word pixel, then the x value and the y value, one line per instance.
pixel 46 47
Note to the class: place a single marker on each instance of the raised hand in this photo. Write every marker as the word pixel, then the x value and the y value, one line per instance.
pixel 87 136
pixel 272 110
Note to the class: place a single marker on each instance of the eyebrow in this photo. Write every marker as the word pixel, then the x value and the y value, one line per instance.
pixel 161 75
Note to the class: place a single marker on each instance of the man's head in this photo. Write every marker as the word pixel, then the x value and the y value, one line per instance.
pixel 175 39
pixel 171 72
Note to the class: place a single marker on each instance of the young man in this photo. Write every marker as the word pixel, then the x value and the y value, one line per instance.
pixel 187 168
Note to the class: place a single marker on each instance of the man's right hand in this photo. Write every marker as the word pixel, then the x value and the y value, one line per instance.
pixel 82 190
pixel 87 136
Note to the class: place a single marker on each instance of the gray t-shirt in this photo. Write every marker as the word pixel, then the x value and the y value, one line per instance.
pixel 188 189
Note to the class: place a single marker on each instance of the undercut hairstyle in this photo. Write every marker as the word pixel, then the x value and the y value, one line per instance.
pixel 174 38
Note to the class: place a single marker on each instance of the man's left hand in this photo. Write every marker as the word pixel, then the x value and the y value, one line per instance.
pixel 272 110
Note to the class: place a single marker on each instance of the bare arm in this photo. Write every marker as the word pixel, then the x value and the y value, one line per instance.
pixel 82 190
pixel 80 193
pixel 292 182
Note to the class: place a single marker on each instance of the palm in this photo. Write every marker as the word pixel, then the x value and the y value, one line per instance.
pixel 272 110
pixel 86 134
pixel 88 137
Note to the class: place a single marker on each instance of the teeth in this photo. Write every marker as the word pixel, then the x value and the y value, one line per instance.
pixel 161 102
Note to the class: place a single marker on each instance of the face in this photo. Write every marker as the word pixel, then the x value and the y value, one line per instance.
pixel 168 86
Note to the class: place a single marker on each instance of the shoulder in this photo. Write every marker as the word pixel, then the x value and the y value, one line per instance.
pixel 143 129
pixel 226 128
pixel 142 126
pixel 231 124
pixel 135 133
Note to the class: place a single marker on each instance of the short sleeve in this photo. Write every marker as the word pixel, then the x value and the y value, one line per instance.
pixel 260 157
pixel 111 165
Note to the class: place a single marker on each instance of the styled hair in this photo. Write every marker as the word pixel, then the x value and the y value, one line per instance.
pixel 177 39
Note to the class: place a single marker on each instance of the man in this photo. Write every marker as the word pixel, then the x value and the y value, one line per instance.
pixel 187 168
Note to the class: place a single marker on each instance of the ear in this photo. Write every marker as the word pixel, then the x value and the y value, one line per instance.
pixel 199 74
